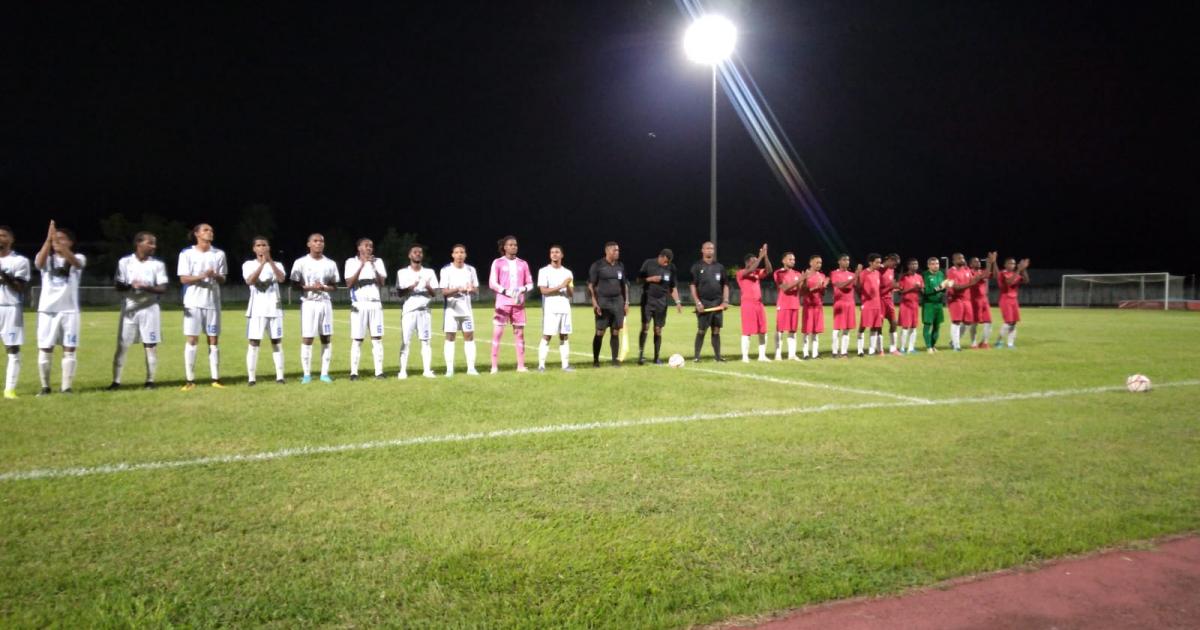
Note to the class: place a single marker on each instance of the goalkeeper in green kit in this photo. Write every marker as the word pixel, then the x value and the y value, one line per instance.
pixel 932 299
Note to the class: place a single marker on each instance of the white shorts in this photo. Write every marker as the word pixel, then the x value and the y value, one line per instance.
pixel 256 325
pixel 556 324
pixel 201 321
pixel 144 325
pixel 316 319
pixel 366 320
pixel 418 322
pixel 453 322
pixel 58 329
pixel 12 325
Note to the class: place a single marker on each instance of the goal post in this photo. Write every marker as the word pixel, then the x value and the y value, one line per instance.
pixel 1121 290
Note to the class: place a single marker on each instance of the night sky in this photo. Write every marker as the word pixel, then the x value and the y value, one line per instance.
pixel 1060 131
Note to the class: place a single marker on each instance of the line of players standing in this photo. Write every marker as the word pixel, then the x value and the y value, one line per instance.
pixel 202 269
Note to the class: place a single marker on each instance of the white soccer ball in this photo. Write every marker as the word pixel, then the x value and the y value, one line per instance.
pixel 676 360
pixel 1138 383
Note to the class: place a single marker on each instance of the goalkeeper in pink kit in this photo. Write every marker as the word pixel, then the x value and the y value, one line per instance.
pixel 510 279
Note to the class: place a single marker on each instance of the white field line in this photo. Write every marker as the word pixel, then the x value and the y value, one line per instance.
pixel 836 388
pixel 300 451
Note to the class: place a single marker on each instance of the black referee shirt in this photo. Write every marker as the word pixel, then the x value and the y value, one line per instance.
pixel 656 293
pixel 709 279
pixel 608 281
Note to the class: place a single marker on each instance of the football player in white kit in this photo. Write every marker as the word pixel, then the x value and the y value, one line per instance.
pixel 417 284
pixel 143 280
pixel 263 312
pixel 555 282
pixel 58 304
pixel 365 274
pixel 202 269
pixel 317 276
pixel 459 281
pixel 14 277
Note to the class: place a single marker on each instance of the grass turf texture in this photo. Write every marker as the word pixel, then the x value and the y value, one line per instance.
pixel 647 526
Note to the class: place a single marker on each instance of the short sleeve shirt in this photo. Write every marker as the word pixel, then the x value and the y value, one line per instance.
pixel 193 262
pixel 16 266
pixel 656 293
pixel 548 277
pixel 60 284
pixel 309 270
pixel 608 281
pixel 710 281
pixel 264 293
pixel 151 271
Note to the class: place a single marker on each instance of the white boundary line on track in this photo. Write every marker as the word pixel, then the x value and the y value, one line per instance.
pixel 300 451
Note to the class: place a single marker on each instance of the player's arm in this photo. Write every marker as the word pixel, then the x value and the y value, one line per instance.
pixel 352 279
pixel 847 282
pixel 15 281
pixel 218 274
pixel 39 260
pixel 185 278
pixel 762 255
pixel 121 279
pixel 694 292
pixel 625 294
pixel 494 279
pixel 644 276
pixel 724 291
pixel 160 281
pixel 252 278
pixel 1023 270
pixel 675 296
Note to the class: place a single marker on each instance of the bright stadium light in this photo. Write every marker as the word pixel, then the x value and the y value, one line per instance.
pixel 709 40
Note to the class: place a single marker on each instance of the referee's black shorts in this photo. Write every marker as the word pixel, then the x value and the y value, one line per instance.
pixel 612 315
pixel 655 312
pixel 715 319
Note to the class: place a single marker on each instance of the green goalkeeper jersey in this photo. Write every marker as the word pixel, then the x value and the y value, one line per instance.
pixel 933 291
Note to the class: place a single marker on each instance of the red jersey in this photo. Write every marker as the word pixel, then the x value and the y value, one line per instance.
pixel 887 282
pixel 912 280
pixel 868 290
pixel 748 283
pixel 846 293
pixel 1009 282
pixel 979 292
pixel 790 298
pixel 959 276
pixel 814 291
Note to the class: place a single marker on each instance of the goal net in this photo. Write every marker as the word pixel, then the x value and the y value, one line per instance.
pixel 1122 290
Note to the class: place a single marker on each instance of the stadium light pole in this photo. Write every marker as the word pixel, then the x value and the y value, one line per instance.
pixel 710 40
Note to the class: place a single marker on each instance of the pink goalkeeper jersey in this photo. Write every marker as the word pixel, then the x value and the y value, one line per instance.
pixel 508 275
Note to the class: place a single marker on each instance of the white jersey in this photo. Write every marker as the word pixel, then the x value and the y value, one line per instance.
pixel 459 278
pixel 264 293
pixel 425 282
pixel 557 303
pixel 60 284
pixel 309 270
pixel 16 266
pixel 151 271
pixel 365 290
pixel 193 262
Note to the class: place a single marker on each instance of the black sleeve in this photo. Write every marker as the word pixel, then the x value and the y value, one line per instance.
pixel 724 276
pixel 594 273
pixel 671 270
pixel 695 271
pixel 644 272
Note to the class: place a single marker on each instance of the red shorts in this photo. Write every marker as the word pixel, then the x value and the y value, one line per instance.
pixel 513 314
pixel 889 309
pixel 960 312
pixel 786 319
pixel 982 311
pixel 843 315
pixel 1010 310
pixel 909 314
pixel 754 318
pixel 814 320
pixel 872 316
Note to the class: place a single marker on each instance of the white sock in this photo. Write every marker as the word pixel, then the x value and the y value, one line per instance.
pixel 377 356
pixel 214 361
pixel 973 336
pixel 251 362
pixel 837 340
pixel 912 339
pixel 846 341
pixel 791 344
pixel 745 348
pixel 807 343
pixel 987 331
pixel 816 343
pixel 778 345
pixel 955 335
pixel 762 348
pixel 871 340
pixel 14 371
pixel 151 363
pixel 306 358
pixel 904 338
pixel 427 356
pixel 564 353
pixel 893 348
pixel 1012 335
pixel 277 358
pixel 355 355
pixel 189 362
pixel 404 357
pixel 44 359
pixel 119 360
pixel 448 356
pixel 68 369
pixel 469 352
pixel 326 357
pixel 860 342
pixel 543 351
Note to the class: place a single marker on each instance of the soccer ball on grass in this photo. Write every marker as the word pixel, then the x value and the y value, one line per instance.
pixel 676 360
pixel 1138 383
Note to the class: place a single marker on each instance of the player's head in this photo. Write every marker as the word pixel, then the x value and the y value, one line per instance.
pixel 957 259
pixel 556 253
pixel 6 238
pixel 874 260
pixel 144 243
pixel 814 262
pixel 63 239
pixel 665 256
pixel 416 253
pixel 708 250
pixel 747 259
pixel 974 263
pixel 202 233
pixel 934 263
pixel 260 245
pixel 844 261
pixel 891 261
pixel 1010 264
pixel 507 246
pixel 612 251
pixel 365 247
pixel 316 244
pixel 458 253
pixel 912 265
pixel 789 260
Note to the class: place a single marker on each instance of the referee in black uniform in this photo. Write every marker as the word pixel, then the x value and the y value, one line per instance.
pixel 710 290
pixel 657 276
pixel 610 300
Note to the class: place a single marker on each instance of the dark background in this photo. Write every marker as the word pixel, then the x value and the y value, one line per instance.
pixel 1060 131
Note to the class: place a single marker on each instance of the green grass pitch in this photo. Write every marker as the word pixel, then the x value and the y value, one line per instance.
pixel 695 497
